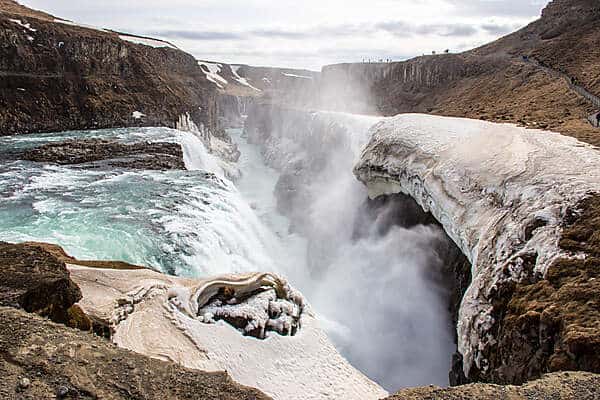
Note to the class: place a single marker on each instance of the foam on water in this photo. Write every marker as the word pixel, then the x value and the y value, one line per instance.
pixel 190 223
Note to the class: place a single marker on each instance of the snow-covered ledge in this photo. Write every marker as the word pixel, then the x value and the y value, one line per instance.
pixel 254 326
pixel 501 192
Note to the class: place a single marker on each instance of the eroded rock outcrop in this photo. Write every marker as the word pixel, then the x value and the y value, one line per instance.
pixel 160 156
pixel 43 360
pixel 33 279
pixel 511 200
pixel 40 359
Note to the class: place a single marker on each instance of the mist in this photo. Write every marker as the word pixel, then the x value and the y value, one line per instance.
pixel 373 270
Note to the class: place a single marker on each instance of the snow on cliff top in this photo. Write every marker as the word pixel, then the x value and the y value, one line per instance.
pixel 500 191
pixel 156 43
pixel 71 23
pixel 213 73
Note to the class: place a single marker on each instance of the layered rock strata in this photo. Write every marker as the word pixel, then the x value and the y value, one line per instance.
pixel 160 156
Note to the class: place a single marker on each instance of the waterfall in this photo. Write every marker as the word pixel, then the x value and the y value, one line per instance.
pixel 189 223
pixel 372 272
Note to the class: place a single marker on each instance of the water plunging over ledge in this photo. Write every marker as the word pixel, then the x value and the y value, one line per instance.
pixel 371 270
pixel 373 287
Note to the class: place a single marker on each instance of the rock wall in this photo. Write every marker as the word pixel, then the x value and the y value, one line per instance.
pixel 491 82
pixel 233 110
pixel 507 197
pixel 59 76
pixel 390 88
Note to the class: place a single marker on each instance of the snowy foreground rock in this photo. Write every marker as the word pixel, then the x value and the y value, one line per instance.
pixel 501 192
pixel 275 346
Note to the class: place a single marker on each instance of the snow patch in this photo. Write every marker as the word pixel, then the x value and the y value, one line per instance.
pixel 487 184
pixel 156 43
pixel 242 81
pixel 137 115
pixel 212 71
pixel 27 26
pixel 297 76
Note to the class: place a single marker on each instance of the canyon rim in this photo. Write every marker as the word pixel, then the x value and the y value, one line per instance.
pixel 179 225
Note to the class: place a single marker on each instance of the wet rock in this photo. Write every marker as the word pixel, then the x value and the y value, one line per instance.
pixel 33 279
pixel 143 155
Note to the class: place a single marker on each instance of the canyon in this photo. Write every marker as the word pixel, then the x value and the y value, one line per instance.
pixel 455 245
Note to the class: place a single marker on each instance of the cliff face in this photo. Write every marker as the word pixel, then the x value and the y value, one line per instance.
pixel 59 76
pixel 283 85
pixel 521 206
pixel 314 153
pixel 390 88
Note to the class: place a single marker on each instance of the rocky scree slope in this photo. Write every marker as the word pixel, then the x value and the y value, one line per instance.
pixel 493 82
pixel 56 75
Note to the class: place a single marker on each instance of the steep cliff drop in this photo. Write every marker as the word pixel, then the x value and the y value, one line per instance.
pixel 508 197
pixel 57 75
pixel 386 261
pixel 513 79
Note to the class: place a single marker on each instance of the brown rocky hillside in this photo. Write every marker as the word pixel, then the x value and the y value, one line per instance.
pixel 495 82
pixel 59 76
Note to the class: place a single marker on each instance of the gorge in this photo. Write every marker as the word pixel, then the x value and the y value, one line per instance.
pixel 290 227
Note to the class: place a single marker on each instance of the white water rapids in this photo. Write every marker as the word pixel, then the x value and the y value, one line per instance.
pixel 373 295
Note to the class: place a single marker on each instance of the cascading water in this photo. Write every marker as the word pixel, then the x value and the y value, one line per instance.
pixel 371 290
pixel 373 284
pixel 191 223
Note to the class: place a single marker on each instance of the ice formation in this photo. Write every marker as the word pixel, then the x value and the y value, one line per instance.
pixel 501 193
pixel 157 315
pixel 216 155
pixel 260 303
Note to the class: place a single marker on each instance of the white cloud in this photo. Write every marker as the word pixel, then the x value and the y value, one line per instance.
pixel 305 34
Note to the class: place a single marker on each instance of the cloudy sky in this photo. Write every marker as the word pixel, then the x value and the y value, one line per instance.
pixel 305 33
